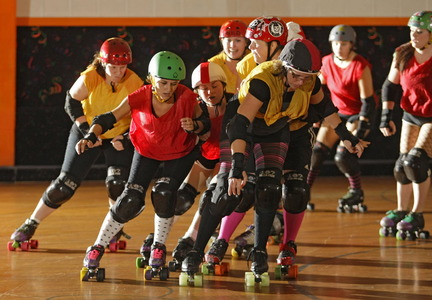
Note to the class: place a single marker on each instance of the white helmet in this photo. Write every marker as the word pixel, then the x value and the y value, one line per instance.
pixel 207 72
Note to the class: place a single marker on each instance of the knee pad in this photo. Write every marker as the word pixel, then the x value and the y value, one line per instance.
pixel 416 165
pixel 346 162
pixel 129 204
pixel 115 181
pixel 60 190
pixel 248 195
pixel 295 193
pixel 268 190
pixel 320 153
pixel 221 203
pixel 164 196
pixel 399 172
pixel 206 197
pixel 185 198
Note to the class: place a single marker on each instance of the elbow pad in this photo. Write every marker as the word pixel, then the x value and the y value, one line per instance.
pixel 106 121
pixel 368 107
pixel 237 128
pixel 73 107
pixel 390 91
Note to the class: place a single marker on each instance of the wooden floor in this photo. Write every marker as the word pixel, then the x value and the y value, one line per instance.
pixel 340 256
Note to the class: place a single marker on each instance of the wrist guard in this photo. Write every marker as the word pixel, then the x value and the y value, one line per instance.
pixel 237 166
pixel 344 134
pixel 386 117
pixel 84 128
pixel 363 126
pixel 91 136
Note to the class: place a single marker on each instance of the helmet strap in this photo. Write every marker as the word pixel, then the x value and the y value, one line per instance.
pixel 158 98
pixel 270 56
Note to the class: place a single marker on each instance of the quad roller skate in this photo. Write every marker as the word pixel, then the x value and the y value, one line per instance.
pixel 190 274
pixel 22 237
pixel 183 247
pixel 244 243
pixel 157 263
pixel 259 269
pixel 286 259
pixel 276 232
pixel 352 201
pixel 213 259
pixel 389 222
pixel 145 250
pixel 411 227
pixel 91 264
pixel 116 243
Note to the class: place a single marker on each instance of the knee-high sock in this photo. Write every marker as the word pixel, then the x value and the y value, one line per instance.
pixel 207 227
pixel 292 223
pixel 229 225
pixel 162 227
pixel 263 225
pixel 108 230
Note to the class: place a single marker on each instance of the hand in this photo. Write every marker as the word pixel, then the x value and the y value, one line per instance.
pixel 358 148
pixel 89 141
pixel 390 130
pixel 188 124
pixel 117 143
pixel 235 185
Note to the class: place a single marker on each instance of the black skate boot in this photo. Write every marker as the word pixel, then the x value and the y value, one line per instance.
pixel 91 264
pixel 214 257
pixel 286 261
pixel 389 222
pixel 22 236
pixel 259 268
pixel 411 227
pixel 181 250
pixel 244 242
pixel 276 232
pixel 190 269
pixel 145 250
pixel 157 263
pixel 352 201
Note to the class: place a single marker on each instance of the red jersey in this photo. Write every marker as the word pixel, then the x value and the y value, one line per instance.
pixel 210 149
pixel 343 83
pixel 416 82
pixel 161 138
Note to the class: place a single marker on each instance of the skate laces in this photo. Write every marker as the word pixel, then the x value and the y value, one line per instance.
pixel 158 251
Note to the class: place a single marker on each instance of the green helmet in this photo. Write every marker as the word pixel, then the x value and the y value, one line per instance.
pixel 421 19
pixel 167 65
pixel 342 33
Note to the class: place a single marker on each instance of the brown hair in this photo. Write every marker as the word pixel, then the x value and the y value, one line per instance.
pixel 97 64
pixel 403 54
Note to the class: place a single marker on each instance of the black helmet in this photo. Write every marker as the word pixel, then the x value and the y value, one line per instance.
pixel 301 55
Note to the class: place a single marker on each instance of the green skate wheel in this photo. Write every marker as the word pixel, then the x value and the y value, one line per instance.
pixel 198 280
pixel 400 235
pixel 204 269
pixel 265 279
pixel 139 262
pixel 249 279
pixel 278 272
pixel 183 279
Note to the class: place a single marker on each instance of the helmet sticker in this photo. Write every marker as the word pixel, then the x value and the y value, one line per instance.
pixel 276 29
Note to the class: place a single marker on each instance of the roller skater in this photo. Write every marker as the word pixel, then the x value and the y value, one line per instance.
pixel 91 264
pixel 191 269
pixel 214 257
pixel 180 251
pixel 389 222
pixel 352 201
pixel 286 261
pixel 244 242
pixel 259 268
pixel 157 263
pixel 145 250
pixel 22 236
pixel 411 227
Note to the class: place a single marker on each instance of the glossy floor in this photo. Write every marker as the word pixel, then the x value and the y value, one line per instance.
pixel 340 256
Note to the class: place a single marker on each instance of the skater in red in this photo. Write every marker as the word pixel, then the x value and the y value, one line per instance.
pixel 411 72
pixel 102 86
pixel 348 77
pixel 166 122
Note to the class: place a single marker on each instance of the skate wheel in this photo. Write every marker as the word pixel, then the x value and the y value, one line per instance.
pixel 249 279
pixel 113 247
pixel 220 270
pixel 198 280
pixel 411 236
pixel 25 246
pixel 164 274
pixel 424 234
pixel 278 272
pixel 100 275
pixel 227 267
pixel 172 266
pixel 383 232
pixel 84 274
pixel 310 206
pixel 265 279
pixel 183 279
pixel 236 254
pixel 400 235
pixel 34 244
pixel 205 269
pixel 293 272
pixel 140 262
pixel 362 208
pixel 340 209
pixel 122 245
pixel 148 274
pixel 10 246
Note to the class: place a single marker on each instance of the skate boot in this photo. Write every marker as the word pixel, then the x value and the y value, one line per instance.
pixel 244 242
pixel 259 268
pixel 352 201
pixel 213 258
pixel 183 247
pixel 157 263
pixel 145 250
pixel 389 222
pixel 116 243
pixel 22 235
pixel 190 269
pixel 286 259
pixel 276 232
pixel 91 264
pixel 411 227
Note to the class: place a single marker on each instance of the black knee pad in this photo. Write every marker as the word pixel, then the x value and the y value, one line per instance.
pixel 248 195
pixel 115 181
pixel 164 196
pixel 221 203
pixel 398 170
pixel 416 165
pixel 268 190
pixel 129 204
pixel 347 162
pixel 320 153
pixel 295 193
pixel 60 190
pixel 206 197
pixel 185 198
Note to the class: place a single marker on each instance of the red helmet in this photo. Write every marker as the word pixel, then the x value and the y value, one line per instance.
pixel 268 29
pixel 115 51
pixel 233 28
